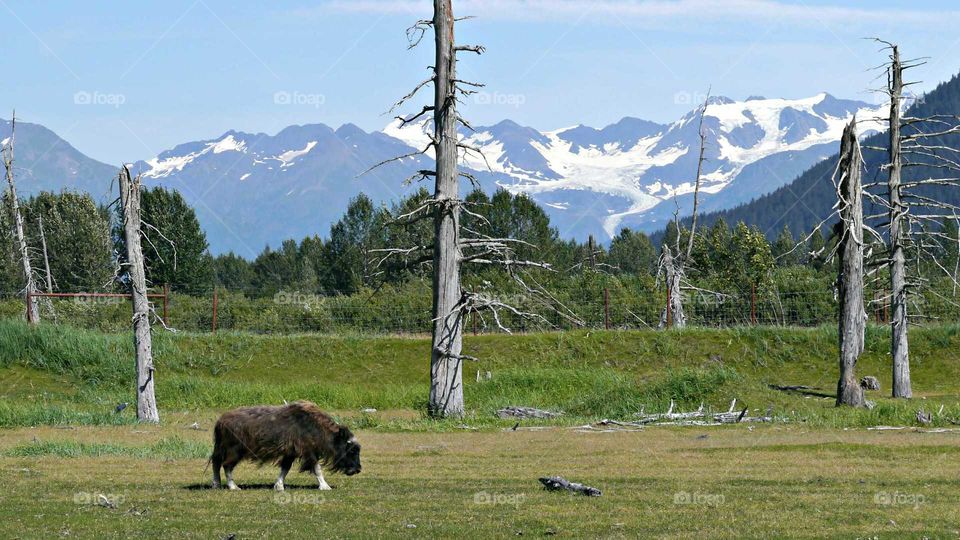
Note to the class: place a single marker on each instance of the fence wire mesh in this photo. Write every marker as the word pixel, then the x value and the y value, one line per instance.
pixel 407 310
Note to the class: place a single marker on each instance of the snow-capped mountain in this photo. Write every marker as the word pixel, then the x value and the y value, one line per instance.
pixel 636 173
pixel 254 189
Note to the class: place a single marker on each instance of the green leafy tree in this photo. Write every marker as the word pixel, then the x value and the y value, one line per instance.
pixel 233 272
pixel 815 255
pixel 348 252
pixel 283 270
pixel 632 253
pixel 11 273
pixel 78 241
pixel 415 229
pixel 785 248
pixel 520 218
pixel 751 260
pixel 175 249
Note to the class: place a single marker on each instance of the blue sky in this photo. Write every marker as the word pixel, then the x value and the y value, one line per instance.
pixel 126 80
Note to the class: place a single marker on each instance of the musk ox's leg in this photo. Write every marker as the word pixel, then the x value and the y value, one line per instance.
pixel 319 472
pixel 284 469
pixel 228 466
pixel 216 458
pixel 230 483
pixel 217 463
pixel 232 455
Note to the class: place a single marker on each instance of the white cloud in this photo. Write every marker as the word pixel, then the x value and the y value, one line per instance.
pixel 545 10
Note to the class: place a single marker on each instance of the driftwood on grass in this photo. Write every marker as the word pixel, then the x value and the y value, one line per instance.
pixel 526 412
pixel 870 383
pixel 557 483
pixel 699 417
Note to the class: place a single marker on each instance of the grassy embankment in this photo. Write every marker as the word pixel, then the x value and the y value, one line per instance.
pixel 54 374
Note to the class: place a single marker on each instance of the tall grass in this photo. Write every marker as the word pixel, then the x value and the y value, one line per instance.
pixel 78 376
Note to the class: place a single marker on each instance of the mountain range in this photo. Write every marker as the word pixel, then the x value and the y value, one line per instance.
pixel 255 189
pixel 803 203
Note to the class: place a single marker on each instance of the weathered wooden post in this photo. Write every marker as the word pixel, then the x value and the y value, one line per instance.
pixel 130 204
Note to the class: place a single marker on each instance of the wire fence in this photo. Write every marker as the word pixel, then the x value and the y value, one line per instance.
pixel 407 310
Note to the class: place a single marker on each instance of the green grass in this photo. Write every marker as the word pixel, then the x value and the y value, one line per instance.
pixel 167 448
pixel 729 482
pixel 60 375
pixel 816 473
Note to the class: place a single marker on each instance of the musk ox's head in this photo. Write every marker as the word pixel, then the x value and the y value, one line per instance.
pixel 346 456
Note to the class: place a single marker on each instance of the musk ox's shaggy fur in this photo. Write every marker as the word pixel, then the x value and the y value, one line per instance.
pixel 281 435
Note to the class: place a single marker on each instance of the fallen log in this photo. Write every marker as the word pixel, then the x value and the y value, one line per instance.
pixel 699 417
pixel 557 483
pixel 526 412
pixel 669 415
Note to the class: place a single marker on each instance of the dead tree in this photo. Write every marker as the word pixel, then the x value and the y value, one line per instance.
pixel 46 257
pixel 673 268
pixel 136 278
pixel 912 218
pixel 676 263
pixel 33 310
pixel 899 343
pixel 853 316
pixel 452 246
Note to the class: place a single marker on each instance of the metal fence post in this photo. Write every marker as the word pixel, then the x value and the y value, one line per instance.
pixel 606 308
pixel 214 323
pixel 166 302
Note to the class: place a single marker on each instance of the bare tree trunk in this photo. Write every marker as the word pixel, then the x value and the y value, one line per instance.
pixel 899 346
pixel 46 258
pixel 446 384
pixel 696 188
pixel 675 266
pixel 674 275
pixel 853 317
pixel 33 310
pixel 130 202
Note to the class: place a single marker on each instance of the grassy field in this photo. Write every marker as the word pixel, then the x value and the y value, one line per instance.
pixel 694 482
pixel 817 471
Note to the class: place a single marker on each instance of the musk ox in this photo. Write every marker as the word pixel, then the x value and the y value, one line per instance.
pixel 281 435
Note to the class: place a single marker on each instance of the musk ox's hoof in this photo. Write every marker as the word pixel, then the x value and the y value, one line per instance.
pixel 325 487
pixel 216 486
pixel 278 487
pixel 233 487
